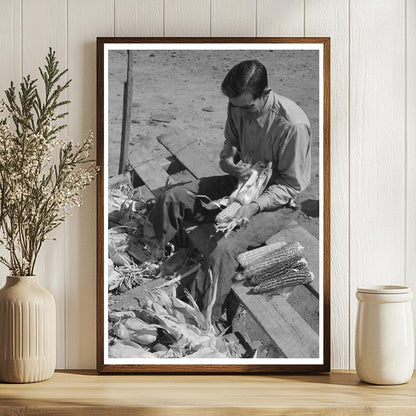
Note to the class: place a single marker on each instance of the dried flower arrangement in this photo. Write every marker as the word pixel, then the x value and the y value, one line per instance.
pixel 42 175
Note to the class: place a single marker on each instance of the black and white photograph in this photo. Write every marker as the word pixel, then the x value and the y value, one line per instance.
pixel 214 252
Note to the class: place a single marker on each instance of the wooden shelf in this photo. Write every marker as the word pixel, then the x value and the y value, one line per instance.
pixel 86 393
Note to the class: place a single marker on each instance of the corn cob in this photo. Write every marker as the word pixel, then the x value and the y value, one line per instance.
pixel 244 186
pixel 228 213
pixel 252 256
pixel 293 278
pixel 285 253
pixel 277 270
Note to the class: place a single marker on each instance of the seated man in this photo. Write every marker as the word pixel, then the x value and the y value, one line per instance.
pixel 261 126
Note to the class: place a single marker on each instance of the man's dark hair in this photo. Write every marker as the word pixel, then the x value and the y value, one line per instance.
pixel 247 76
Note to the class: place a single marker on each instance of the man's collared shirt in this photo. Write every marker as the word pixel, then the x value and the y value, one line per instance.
pixel 279 134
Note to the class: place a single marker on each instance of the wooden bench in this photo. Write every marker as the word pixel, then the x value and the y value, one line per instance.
pixel 292 321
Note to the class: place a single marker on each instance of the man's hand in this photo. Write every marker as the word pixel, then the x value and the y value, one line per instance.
pixel 241 171
pixel 246 212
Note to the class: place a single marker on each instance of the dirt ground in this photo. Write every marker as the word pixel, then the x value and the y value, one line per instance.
pixel 184 86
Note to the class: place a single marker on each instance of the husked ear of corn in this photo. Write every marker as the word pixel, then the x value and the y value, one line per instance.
pixel 243 187
pixel 271 259
pixel 245 193
pixel 255 185
pixel 293 278
pixel 278 270
pixel 252 256
pixel 228 213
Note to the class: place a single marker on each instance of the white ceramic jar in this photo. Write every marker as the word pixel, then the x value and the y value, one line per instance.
pixel 384 343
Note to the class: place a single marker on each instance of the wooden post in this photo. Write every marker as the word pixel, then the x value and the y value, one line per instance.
pixel 125 129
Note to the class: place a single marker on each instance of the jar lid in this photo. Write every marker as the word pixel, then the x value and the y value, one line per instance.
pixel 384 289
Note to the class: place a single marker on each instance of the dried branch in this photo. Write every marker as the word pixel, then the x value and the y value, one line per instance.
pixel 42 176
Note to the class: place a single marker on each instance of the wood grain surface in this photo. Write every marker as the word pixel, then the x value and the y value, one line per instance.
pixel 331 18
pixel 190 152
pixel 377 148
pixel 138 17
pixel 233 18
pixel 410 275
pixel 51 16
pixel 85 393
pixel 280 18
pixel 184 18
pixel 10 67
pixel 286 328
pixel 80 260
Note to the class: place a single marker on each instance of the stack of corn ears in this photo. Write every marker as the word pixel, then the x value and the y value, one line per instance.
pixel 165 327
pixel 245 193
pixel 274 267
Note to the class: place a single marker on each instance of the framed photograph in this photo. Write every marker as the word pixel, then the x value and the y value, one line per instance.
pixel 213 205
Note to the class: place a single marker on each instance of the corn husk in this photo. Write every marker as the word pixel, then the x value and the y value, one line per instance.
pixel 113 276
pixel 135 324
pixel 169 328
pixel 117 316
pixel 245 193
pixel 145 336
pixel 120 331
pixel 122 349
pixel 254 186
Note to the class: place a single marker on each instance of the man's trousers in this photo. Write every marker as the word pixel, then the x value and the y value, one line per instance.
pixel 181 203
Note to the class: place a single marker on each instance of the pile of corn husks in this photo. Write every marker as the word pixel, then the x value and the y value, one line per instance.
pixel 131 263
pixel 165 327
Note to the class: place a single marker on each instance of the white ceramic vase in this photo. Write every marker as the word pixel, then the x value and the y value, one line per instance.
pixel 384 343
pixel 27 331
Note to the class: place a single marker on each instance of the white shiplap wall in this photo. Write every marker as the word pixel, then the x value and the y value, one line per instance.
pixel 373 129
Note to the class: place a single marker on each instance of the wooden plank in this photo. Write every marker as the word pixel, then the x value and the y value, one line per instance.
pixel 139 18
pixel 280 18
pixel 10 44
pixel 306 304
pixel 331 18
pixel 247 328
pixel 377 144
pixel 410 278
pixel 233 18
pixel 125 127
pixel 86 20
pixel 207 395
pixel 86 393
pixel 184 18
pixel 190 152
pixel 291 334
pixel 294 232
pixel 52 262
pixel 302 299
pixel 150 170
